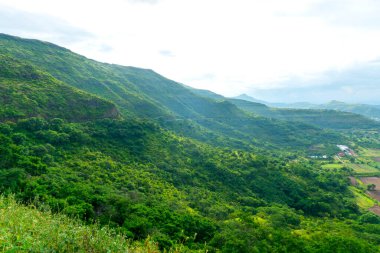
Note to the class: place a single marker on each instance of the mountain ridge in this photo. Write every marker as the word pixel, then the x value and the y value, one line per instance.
pixel 371 111
pixel 146 94
pixel 321 117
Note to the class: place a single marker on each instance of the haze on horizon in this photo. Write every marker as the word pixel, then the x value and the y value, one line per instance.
pixel 278 51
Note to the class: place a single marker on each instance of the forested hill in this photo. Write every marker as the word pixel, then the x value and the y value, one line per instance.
pixel 145 94
pixel 26 91
pixel 324 118
pixel 336 118
pixel 95 141
pixel 370 111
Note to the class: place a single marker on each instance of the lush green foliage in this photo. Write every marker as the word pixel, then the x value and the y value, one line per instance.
pixel 369 111
pixel 145 94
pixel 26 229
pixel 146 181
pixel 178 168
pixel 26 91
pixel 324 118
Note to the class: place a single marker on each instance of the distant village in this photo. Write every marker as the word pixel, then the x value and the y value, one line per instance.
pixel 344 151
pixel 318 156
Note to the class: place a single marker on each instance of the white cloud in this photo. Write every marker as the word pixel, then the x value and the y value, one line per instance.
pixel 359 83
pixel 242 44
pixel 44 26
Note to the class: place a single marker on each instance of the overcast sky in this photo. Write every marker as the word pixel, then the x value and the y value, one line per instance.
pixel 281 51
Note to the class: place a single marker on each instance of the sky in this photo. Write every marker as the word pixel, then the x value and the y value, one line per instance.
pixel 275 50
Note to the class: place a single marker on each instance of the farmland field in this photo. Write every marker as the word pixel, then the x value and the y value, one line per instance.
pixel 373 180
pixel 362 199
pixel 373 154
pixel 375 209
pixel 367 163
pixel 362 168
pixel 332 166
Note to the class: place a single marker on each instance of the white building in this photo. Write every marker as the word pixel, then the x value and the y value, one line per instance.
pixel 343 148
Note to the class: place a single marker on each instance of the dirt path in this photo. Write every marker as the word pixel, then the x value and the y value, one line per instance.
pixel 353 181
pixel 372 180
pixel 375 210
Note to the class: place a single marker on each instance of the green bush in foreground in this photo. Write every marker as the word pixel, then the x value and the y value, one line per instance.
pixel 28 229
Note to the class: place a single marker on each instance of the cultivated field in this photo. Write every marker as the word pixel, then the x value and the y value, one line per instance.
pixel 362 199
pixel 373 154
pixel 373 180
pixel 367 163
pixel 375 209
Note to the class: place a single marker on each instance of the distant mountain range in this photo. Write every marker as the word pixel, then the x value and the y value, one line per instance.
pixel 321 117
pixel 371 111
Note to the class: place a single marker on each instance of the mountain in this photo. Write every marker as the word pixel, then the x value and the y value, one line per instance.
pixel 370 111
pixel 324 117
pixel 131 150
pixel 249 98
pixel 145 94
pixel 26 91
pixel 205 93
pixel 363 109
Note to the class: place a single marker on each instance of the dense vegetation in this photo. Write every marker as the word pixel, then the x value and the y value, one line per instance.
pixel 324 117
pixel 188 172
pixel 145 94
pixel 25 91
pixel 370 111
pixel 27 229
pixel 146 181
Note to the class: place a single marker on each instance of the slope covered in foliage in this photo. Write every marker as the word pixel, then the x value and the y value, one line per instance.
pixel 27 229
pixel 335 118
pixel 332 119
pixel 369 111
pixel 138 175
pixel 146 181
pixel 145 94
pixel 26 91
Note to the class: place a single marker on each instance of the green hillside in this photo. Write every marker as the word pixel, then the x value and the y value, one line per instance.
pixel 323 118
pixel 148 182
pixel 27 229
pixel 26 91
pixel 363 109
pixel 329 116
pixel 145 94
pixel 369 111
pixel 186 172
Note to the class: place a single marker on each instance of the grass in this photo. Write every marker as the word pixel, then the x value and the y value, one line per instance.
pixel 363 168
pixel 370 152
pixel 28 229
pixel 332 166
pixel 363 165
pixel 362 200
pixel 371 155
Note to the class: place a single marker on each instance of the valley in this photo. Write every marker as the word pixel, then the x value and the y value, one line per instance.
pixel 162 167
pixel 365 174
